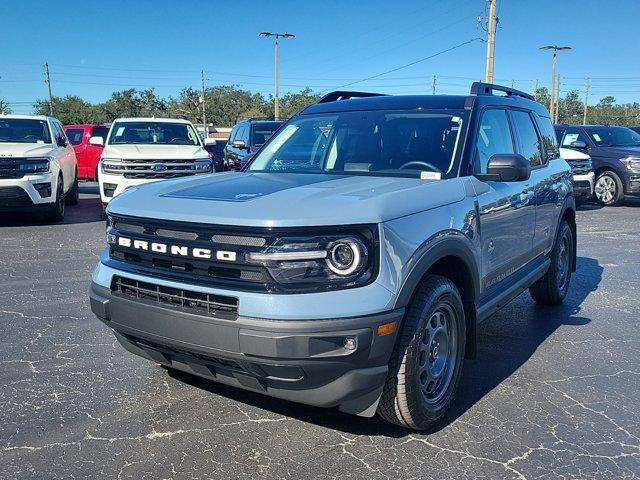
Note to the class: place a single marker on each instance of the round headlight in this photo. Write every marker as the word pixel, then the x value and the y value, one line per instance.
pixel 344 257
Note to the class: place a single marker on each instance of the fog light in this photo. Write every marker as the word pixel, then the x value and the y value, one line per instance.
pixel 44 189
pixel 111 239
pixel 109 189
pixel 350 343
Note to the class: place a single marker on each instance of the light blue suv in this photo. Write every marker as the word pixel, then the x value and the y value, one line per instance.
pixel 350 262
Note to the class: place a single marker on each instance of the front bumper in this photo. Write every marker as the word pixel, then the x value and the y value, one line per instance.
pixel 583 185
pixel 113 185
pixel 305 361
pixel 21 194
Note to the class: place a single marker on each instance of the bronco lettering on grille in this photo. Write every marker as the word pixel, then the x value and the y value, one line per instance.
pixel 176 250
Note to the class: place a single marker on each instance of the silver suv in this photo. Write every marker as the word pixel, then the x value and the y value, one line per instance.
pixel 349 264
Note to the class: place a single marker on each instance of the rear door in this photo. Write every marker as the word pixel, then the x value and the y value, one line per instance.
pixel 545 182
pixel 507 209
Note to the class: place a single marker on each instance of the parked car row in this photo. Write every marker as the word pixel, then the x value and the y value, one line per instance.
pixel 615 157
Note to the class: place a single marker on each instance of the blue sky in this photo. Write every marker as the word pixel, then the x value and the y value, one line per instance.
pixel 94 48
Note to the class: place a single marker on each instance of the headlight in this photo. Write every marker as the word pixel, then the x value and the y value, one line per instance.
pixel 632 163
pixel 319 262
pixel 111 164
pixel 35 165
pixel 202 165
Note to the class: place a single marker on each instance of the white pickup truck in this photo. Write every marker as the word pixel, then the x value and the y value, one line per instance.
pixel 142 150
pixel 38 169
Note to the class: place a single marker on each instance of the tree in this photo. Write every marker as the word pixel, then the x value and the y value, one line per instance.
pixel 4 107
pixel 71 110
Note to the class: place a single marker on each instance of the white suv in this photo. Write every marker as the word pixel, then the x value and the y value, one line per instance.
pixel 38 169
pixel 142 150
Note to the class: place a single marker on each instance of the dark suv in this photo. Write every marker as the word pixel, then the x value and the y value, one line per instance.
pixel 246 137
pixel 615 154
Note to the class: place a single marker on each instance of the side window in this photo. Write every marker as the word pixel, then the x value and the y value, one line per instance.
pixel 549 141
pixel 528 140
pixel 58 132
pixel 494 136
pixel 573 135
pixel 233 134
pixel 75 135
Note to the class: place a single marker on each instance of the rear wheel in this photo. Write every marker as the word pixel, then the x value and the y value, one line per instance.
pixel 426 363
pixel 56 211
pixel 554 285
pixel 608 189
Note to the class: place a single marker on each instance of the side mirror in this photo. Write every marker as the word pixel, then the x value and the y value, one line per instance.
pixel 209 141
pixel 62 142
pixel 97 141
pixel 579 145
pixel 239 144
pixel 506 167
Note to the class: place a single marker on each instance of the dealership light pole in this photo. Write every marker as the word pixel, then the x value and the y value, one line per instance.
pixel 278 36
pixel 554 76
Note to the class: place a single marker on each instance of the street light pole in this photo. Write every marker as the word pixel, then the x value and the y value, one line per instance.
pixel 276 67
pixel 554 77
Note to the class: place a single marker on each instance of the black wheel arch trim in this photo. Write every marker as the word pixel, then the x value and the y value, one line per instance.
pixel 453 244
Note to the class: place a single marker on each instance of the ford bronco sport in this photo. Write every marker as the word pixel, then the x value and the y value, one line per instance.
pixel 350 262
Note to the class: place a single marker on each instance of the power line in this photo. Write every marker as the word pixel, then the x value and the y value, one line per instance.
pixel 413 63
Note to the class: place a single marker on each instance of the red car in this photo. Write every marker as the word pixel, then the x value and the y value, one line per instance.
pixel 86 154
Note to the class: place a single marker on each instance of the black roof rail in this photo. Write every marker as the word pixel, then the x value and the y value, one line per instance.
pixel 344 95
pixel 481 88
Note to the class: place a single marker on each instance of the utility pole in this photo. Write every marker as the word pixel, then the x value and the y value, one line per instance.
pixel 433 85
pixel 204 115
pixel 557 107
pixel 47 77
pixel 587 86
pixel 535 88
pixel 276 67
pixel 491 40
pixel 554 74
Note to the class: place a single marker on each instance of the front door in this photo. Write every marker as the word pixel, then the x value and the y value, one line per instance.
pixel 507 209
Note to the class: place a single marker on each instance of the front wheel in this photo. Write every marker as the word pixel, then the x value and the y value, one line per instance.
pixel 73 195
pixel 554 285
pixel 608 189
pixel 426 364
pixel 56 211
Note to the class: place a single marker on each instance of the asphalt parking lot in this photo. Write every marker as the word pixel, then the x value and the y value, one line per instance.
pixel 553 392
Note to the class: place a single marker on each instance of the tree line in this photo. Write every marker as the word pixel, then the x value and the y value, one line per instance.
pixel 225 105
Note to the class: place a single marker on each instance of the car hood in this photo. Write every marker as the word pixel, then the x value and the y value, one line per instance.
pixel 285 199
pixel 154 152
pixel 616 152
pixel 8 150
pixel 571 155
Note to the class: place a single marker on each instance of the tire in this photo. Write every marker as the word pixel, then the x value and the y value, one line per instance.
pixel 412 396
pixel 56 212
pixel 74 194
pixel 554 285
pixel 608 189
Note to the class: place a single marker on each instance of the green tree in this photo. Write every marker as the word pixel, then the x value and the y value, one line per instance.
pixel 71 109
pixel 4 107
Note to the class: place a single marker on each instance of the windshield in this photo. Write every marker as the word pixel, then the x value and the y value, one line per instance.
pixel 262 132
pixel 153 133
pixel 614 136
pixel 23 130
pixel 364 143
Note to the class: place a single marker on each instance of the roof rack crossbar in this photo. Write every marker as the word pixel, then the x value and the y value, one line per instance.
pixel 344 95
pixel 481 88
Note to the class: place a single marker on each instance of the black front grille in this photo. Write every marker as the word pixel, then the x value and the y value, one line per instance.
pixel 210 271
pixel 12 197
pixel 10 168
pixel 219 306
pixel 581 167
